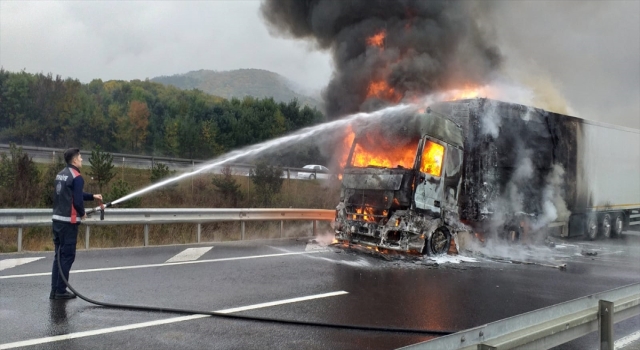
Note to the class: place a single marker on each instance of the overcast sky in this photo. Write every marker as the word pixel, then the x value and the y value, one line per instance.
pixel 589 51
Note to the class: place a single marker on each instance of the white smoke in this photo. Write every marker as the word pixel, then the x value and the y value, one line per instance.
pixel 325 238
pixel 492 121
pixel 553 207
pixel 512 200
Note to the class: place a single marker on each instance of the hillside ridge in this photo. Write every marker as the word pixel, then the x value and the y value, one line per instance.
pixel 240 83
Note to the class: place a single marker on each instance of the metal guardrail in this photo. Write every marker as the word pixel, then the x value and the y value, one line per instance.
pixel 21 218
pixel 58 151
pixel 550 326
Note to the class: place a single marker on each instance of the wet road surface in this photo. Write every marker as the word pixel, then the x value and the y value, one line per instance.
pixel 309 283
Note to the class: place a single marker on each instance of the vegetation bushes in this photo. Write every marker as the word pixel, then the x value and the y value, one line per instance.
pixel 268 182
pixel 20 185
pixel 265 187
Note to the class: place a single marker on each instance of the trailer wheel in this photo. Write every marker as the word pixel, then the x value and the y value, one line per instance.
pixel 618 224
pixel 591 226
pixel 439 242
pixel 605 226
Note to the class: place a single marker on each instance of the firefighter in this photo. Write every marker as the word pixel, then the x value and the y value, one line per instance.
pixel 68 211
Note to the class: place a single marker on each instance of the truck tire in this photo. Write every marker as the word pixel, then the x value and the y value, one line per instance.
pixel 438 243
pixel 605 225
pixel 312 176
pixel 591 226
pixel 618 225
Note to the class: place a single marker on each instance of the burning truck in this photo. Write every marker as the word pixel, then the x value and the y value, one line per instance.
pixel 485 166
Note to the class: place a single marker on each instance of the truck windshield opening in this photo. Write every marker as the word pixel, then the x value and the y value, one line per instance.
pixel 372 150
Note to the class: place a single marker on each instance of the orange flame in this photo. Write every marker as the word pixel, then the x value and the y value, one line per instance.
pixel 468 92
pixel 346 147
pixel 401 157
pixel 377 39
pixel 382 90
pixel 432 158
pixel 375 151
pixel 367 213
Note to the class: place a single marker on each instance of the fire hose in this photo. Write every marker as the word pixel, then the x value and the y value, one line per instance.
pixel 231 316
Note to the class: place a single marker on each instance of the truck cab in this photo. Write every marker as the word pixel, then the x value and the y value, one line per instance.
pixel 400 186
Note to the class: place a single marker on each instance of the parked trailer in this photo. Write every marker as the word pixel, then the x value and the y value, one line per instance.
pixel 491 166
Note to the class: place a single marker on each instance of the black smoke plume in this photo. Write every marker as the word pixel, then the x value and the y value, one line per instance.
pixel 428 46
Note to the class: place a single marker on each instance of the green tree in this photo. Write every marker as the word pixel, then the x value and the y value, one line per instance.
pixel 19 179
pixel 227 187
pixel 188 142
pixel 120 189
pixel 101 167
pixel 267 180
pixel 139 121
pixel 159 171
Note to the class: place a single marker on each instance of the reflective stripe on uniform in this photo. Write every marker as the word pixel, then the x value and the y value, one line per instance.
pixel 62 218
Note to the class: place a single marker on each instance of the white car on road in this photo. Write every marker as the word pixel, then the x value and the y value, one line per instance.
pixel 315 172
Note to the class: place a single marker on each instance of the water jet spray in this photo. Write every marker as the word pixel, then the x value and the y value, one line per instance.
pixel 271 144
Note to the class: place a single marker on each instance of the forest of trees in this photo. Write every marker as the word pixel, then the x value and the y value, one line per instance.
pixel 138 117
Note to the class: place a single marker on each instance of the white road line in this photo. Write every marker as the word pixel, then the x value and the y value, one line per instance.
pixel 189 254
pixel 160 322
pixel 161 265
pixel 628 340
pixel 9 263
pixel 280 302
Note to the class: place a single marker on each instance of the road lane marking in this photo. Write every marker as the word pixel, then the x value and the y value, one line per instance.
pixel 9 263
pixel 189 254
pixel 163 264
pixel 626 341
pixel 281 302
pixel 162 322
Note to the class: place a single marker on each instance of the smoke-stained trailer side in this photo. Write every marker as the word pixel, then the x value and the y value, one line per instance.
pixel 496 167
pixel 556 170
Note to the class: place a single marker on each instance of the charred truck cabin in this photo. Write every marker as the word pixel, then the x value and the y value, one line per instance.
pixel 487 166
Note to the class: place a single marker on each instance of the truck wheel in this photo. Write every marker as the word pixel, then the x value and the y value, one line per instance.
pixel 439 242
pixel 591 226
pixel 605 226
pixel 312 176
pixel 618 224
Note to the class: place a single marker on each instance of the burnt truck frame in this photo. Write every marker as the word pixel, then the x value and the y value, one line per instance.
pixel 482 141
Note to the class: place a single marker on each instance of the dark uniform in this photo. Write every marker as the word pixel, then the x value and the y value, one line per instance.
pixel 68 209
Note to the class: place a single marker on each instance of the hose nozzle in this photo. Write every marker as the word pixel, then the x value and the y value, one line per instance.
pixel 100 209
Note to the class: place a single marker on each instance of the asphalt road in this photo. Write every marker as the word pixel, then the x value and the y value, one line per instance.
pixel 307 282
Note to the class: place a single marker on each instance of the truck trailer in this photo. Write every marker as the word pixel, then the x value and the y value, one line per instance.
pixel 486 167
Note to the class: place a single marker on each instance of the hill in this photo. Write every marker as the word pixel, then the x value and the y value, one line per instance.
pixel 240 83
